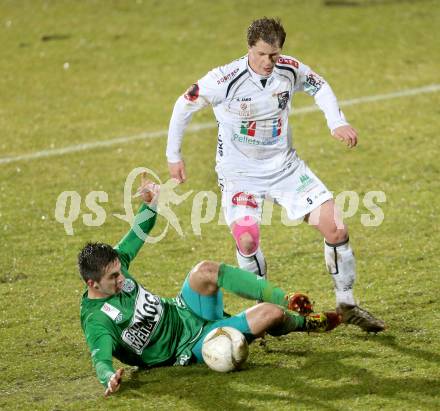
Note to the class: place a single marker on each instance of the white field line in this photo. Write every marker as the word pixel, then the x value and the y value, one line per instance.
pixel 203 126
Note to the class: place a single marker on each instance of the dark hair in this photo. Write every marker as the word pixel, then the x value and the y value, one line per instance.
pixel 93 259
pixel 269 30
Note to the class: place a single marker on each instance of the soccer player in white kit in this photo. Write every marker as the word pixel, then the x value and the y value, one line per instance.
pixel 251 98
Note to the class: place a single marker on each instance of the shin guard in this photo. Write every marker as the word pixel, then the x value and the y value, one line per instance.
pixel 255 263
pixel 341 265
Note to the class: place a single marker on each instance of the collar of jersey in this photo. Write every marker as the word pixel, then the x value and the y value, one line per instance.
pixel 257 77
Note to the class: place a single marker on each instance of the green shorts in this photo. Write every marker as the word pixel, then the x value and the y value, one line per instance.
pixel 210 308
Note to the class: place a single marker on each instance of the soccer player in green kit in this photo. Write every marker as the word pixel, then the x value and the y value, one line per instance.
pixel 121 319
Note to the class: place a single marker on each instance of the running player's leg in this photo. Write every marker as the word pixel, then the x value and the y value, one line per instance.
pixel 311 199
pixel 339 257
pixel 341 265
pixel 242 209
pixel 246 233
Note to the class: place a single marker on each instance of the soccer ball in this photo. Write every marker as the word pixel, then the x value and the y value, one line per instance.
pixel 225 349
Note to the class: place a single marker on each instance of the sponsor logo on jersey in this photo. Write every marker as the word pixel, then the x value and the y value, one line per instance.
pixel 111 311
pixel 313 83
pixel 244 199
pixel 291 62
pixel 277 125
pixel 248 128
pixel 245 109
pixel 128 286
pixel 254 142
pixel 148 311
pixel 283 99
pixel 220 145
pixel 228 77
pixel 192 94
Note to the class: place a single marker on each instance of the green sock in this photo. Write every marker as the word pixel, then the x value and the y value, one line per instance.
pixel 248 285
pixel 292 322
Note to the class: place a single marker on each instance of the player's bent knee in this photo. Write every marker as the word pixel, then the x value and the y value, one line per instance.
pixel 204 275
pixel 246 232
pixel 336 236
pixel 207 266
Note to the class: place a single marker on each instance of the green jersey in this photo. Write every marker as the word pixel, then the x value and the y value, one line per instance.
pixel 136 326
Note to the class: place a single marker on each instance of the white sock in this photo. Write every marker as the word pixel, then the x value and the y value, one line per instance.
pixel 255 263
pixel 341 265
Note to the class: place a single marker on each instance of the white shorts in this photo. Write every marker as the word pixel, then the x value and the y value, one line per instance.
pixel 296 189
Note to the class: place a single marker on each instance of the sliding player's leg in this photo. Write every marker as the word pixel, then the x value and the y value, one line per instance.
pixel 270 318
pixel 201 290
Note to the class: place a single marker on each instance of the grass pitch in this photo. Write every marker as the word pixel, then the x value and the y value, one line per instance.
pixel 75 72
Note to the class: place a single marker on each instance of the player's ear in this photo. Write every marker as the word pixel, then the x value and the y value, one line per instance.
pixel 92 283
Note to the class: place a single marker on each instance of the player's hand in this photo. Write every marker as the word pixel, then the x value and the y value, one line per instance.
pixel 114 383
pixel 346 134
pixel 148 190
pixel 177 171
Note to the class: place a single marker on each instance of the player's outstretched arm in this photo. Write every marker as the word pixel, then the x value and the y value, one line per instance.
pixel 145 220
pixel 114 382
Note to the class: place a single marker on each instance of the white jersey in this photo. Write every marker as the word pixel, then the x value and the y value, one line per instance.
pixel 254 137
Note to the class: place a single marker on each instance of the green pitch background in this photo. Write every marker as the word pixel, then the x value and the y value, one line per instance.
pixel 80 71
